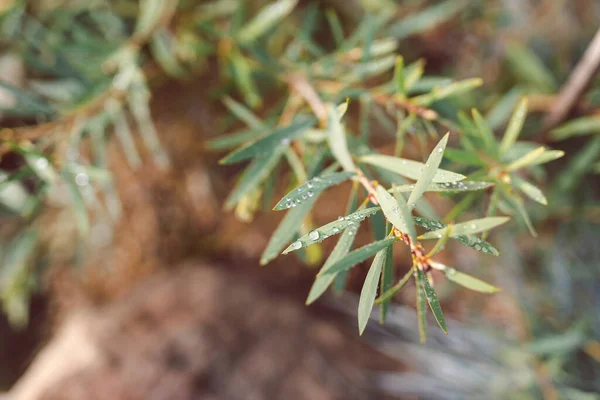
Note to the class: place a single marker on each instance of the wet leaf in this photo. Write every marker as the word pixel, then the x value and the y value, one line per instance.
pixel 391 292
pixel 432 299
pixel 357 256
pixel 527 160
pixel 333 228
pixel 532 191
pixel 426 177
pixel 461 186
pixel 408 168
pixel 470 282
pixel 310 188
pixel 421 309
pixel 397 212
pixel 466 240
pixel 469 227
pixel 286 230
pixel 369 290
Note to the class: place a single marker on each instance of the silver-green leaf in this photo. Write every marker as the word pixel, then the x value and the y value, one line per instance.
pixel 409 168
pixel 469 227
pixel 310 188
pixel 426 177
pixel 470 282
pixel 432 299
pixel 369 290
pixel 397 212
pixel 461 186
pixel 357 256
pixel 336 136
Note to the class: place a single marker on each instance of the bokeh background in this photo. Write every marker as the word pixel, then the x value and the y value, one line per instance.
pixel 162 295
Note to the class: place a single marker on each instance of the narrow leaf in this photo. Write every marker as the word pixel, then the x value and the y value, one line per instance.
pixel 408 168
pixel 526 160
pixel 462 186
pixel 397 212
pixel 310 188
pixel 337 140
pixel 268 143
pixel 433 301
pixel 266 19
pixel 532 191
pixel 387 277
pixel 369 290
pixel 333 228
pixel 466 228
pixel 431 166
pixel 254 175
pixel 484 131
pixel 322 282
pixel 470 282
pixel 466 240
pixel 577 127
pixel 421 309
pixel 391 292
pixel 514 127
pixel 288 227
pixel 399 78
pixel 357 256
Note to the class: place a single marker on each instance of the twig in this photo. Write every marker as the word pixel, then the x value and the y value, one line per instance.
pixel 576 85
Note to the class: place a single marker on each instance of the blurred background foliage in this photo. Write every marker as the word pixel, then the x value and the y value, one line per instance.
pixel 74 74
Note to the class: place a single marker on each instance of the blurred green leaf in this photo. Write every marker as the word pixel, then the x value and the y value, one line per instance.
pixel 391 292
pixel 529 68
pixel 453 89
pixel 577 127
pixel 514 127
pixel 337 140
pixel 266 19
pixel 469 282
pixel 532 191
pixel 421 307
pixel 269 142
pixel 426 19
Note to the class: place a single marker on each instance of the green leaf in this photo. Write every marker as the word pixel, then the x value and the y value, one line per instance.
pixel 433 301
pixel 266 19
pixel 529 68
pixel 485 133
pixel 469 227
pixel 464 157
pixel 421 308
pixel 527 160
pixel 269 142
pixel 466 240
pixel 391 292
pixel 287 229
pixel 532 191
pixel 408 168
pixel 243 113
pixel 369 290
pixel 453 89
pixel 310 188
pixel 503 108
pixel 517 205
pixel 337 140
pixel 431 166
pixel 254 175
pixel 469 282
pixel 234 139
pixel 397 212
pixel 387 276
pixel 514 127
pixel 425 20
pixel 357 256
pixel 322 282
pixel 462 186
pixel 331 229
pixel 577 127
pixel 399 78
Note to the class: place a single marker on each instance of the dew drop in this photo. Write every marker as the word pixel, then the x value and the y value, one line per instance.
pixel 412 205
pixel 477 247
pixel 309 185
pixel 451 271
pixel 296 245
pixel 41 163
pixel 310 194
pixel 313 235
pixel 396 210
pixel 440 150
pixel 335 230
pixel 82 179
pixel 351 232
pixel 304 197
pixel 340 218
pixel 473 226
